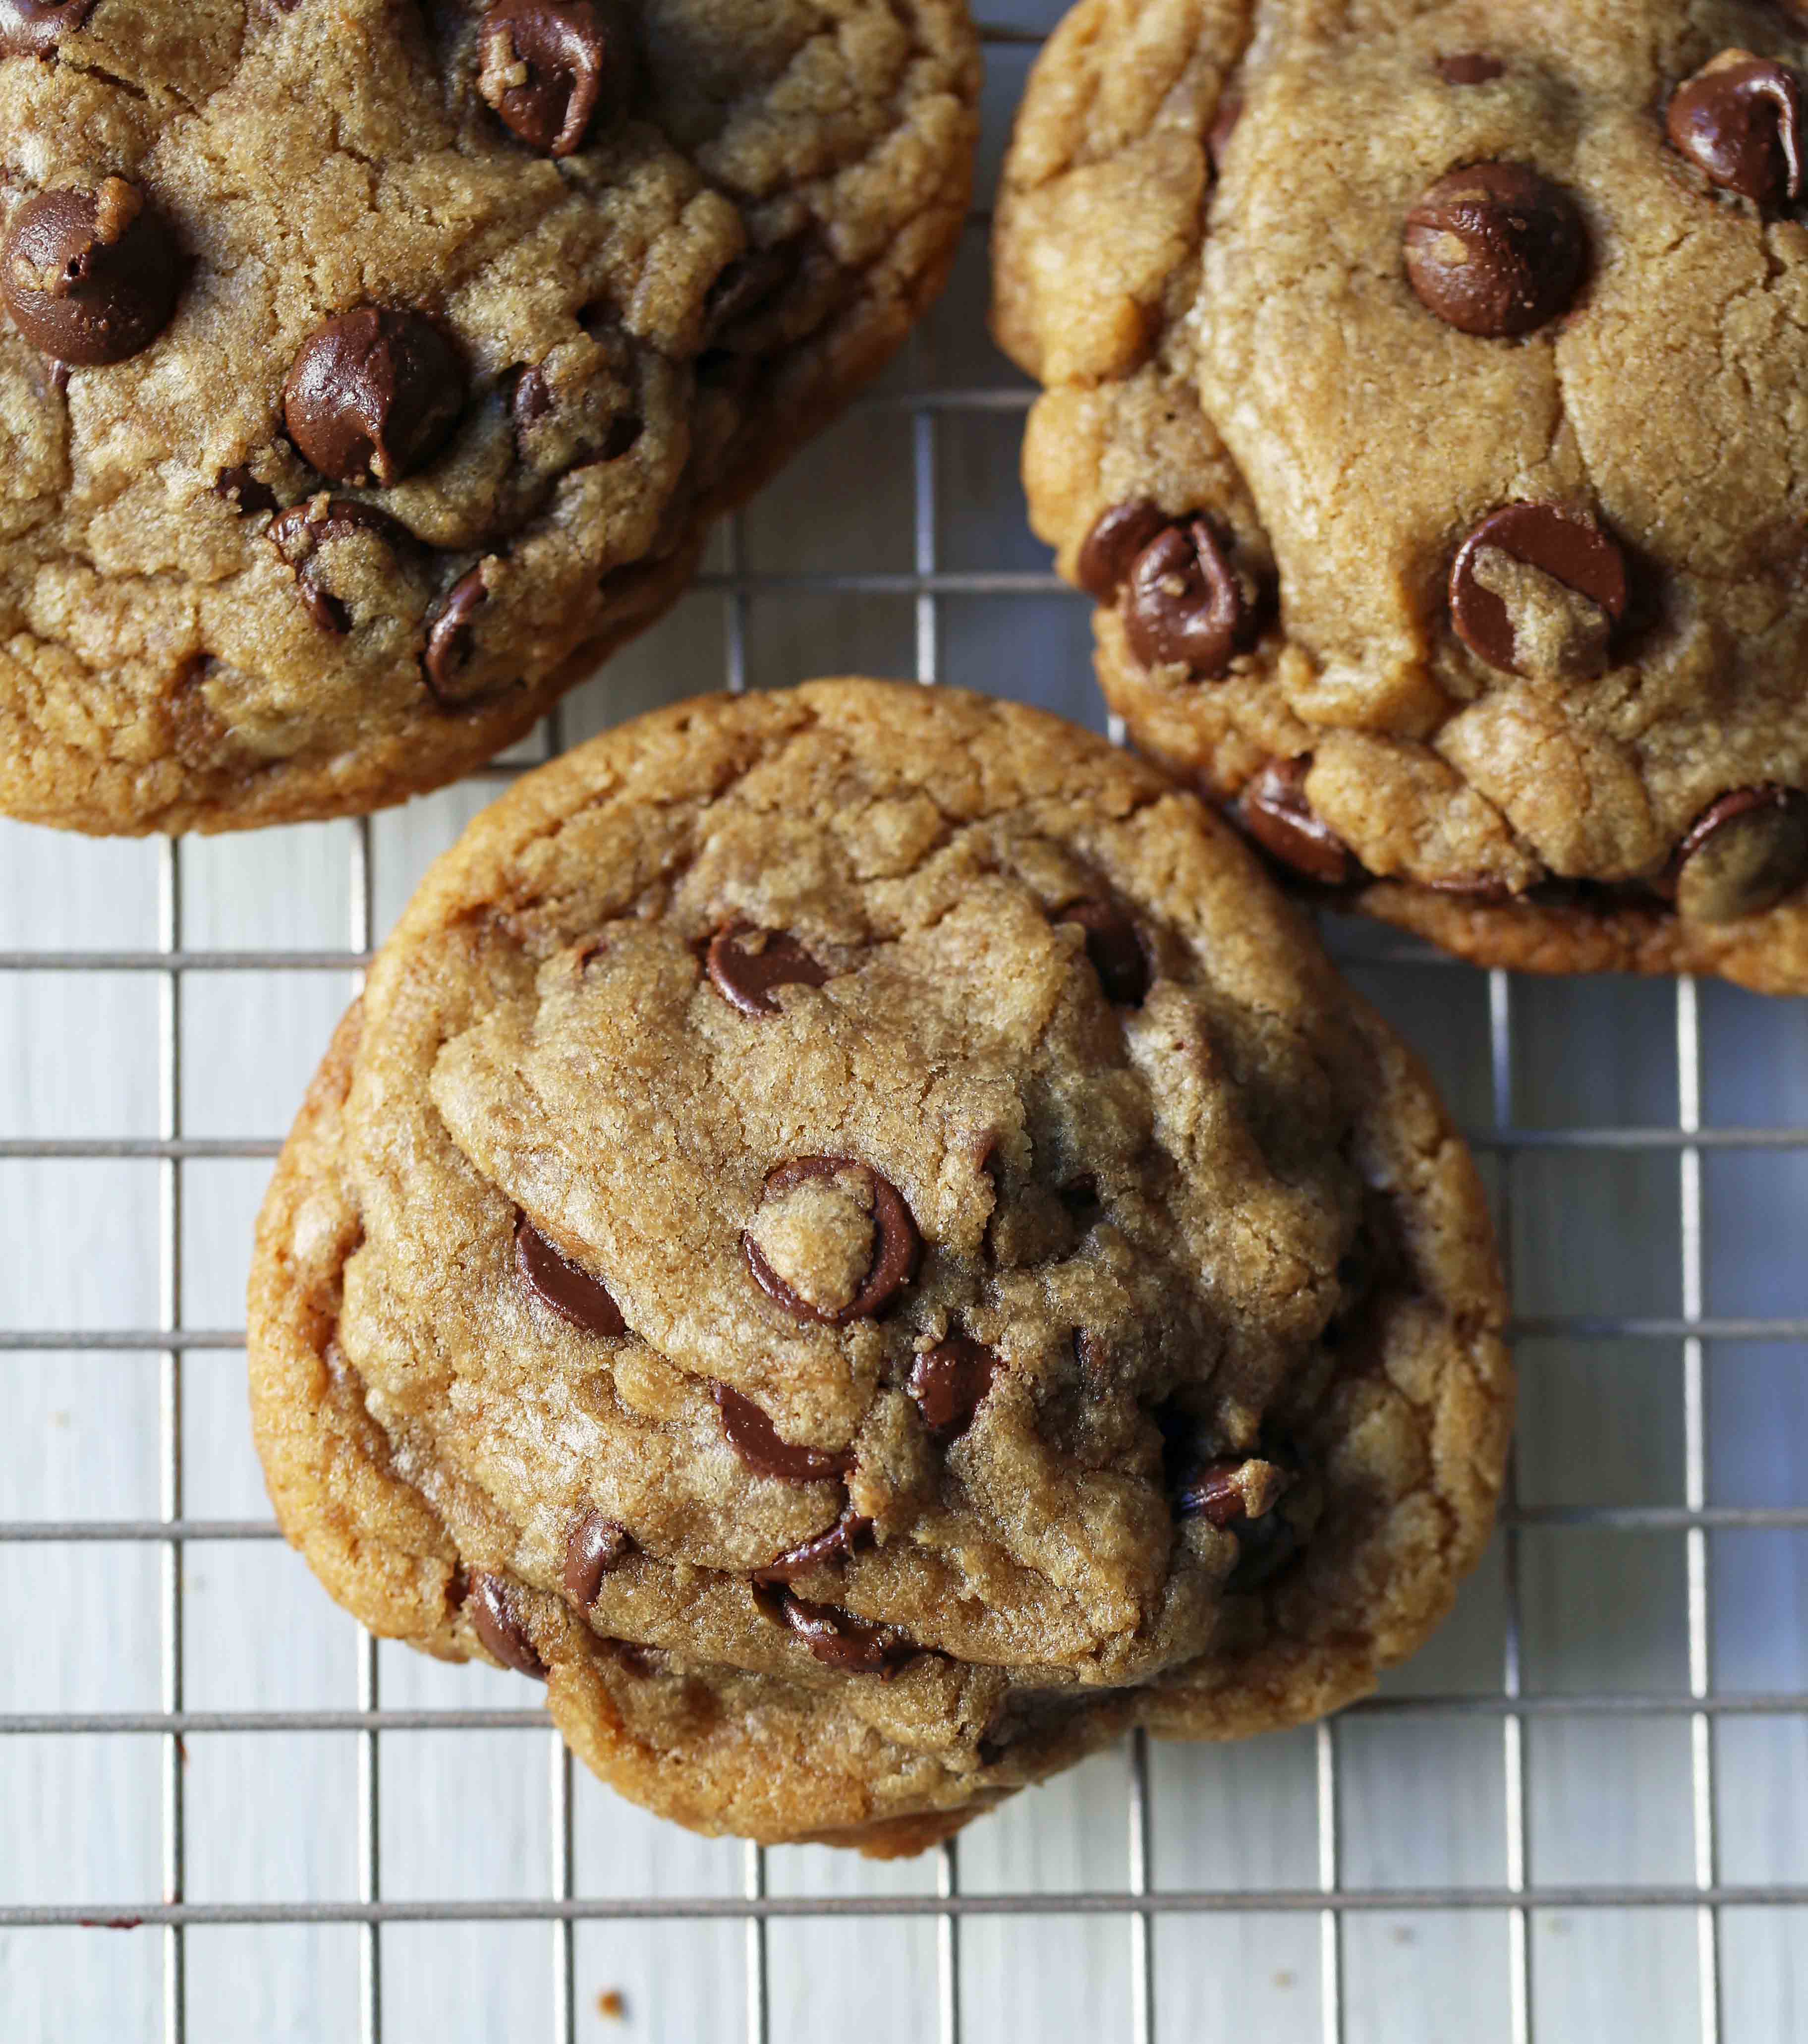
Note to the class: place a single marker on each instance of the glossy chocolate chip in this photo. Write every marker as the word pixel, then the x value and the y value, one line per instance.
pixel 747 286
pixel 574 1295
pixel 90 277
pixel 242 490
pixel 595 1544
pixel 1184 603
pixel 1114 949
pixel 1495 250
pixel 897 1251
pixel 1109 550
pixel 745 966
pixel 1232 1490
pixel 545 68
pixel 950 1382
pixel 755 1439
pixel 1470 67
pixel 373 395
pixel 1739 121
pixel 33 28
pixel 1741 855
pixel 299 534
pixel 841 1539
pixel 1273 809
pixel 451 638
pixel 1559 541
pixel 839 1640
pixel 492 1609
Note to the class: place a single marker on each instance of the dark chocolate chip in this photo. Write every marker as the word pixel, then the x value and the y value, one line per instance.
pixel 492 1609
pixel 574 1295
pixel 532 398
pixel 1495 250
pixel 1109 549
pixel 546 68
pixel 243 490
pixel 1741 855
pixel 1184 603
pixel 1557 539
pixel 950 1382
pixel 1114 949
pixel 1739 121
pixel 757 1442
pixel 451 638
pixel 1470 67
pixel 1232 1490
pixel 1273 809
pixel 747 286
pixel 841 1539
pixel 90 277
pixel 839 1640
pixel 1223 127
pixel 373 395
pixel 746 978
pixel 299 533
pixel 897 1250
pixel 33 28
pixel 595 1544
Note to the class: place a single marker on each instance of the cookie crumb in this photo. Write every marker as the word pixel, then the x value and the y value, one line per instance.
pixel 611 2004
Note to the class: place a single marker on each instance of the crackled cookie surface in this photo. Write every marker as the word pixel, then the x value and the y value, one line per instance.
pixel 366 367
pixel 855 1235
pixel 1424 406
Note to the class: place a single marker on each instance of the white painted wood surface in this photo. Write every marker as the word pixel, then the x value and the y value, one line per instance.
pixel 1422 1800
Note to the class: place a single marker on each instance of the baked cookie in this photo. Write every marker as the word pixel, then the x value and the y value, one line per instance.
pixel 1425 391
pixel 854 1236
pixel 370 368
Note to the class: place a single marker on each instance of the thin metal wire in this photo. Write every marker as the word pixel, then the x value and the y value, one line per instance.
pixel 1141 1925
pixel 170 1421
pixel 1330 1923
pixel 948 1946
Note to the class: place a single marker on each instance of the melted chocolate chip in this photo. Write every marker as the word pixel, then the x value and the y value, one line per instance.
pixel 1495 250
pixel 1273 809
pixel 841 1539
pixel 373 395
pixel 747 286
pixel 492 1613
pixel 950 1382
pixel 243 490
pixel 754 1439
pixel 33 28
pixel 546 68
pixel 1232 1490
pixel 299 534
pixel 1114 950
pixel 1557 539
pixel 90 277
pixel 1741 855
pixel 574 1295
pixel 838 1639
pixel 1470 67
pixel 1184 604
pixel 451 638
pixel 1110 550
pixel 897 1251
pixel 595 1544
pixel 745 979
pixel 1739 121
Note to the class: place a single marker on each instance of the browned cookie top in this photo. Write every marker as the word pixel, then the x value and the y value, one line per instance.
pixel 855 1222
pixel 1425 396
pixel 361 361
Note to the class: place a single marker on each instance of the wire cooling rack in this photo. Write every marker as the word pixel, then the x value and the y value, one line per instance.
pixel 1583 1811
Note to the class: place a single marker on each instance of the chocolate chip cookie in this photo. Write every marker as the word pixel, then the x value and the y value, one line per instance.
pixel 853 1235
pixel 369 368
pixel 1425 388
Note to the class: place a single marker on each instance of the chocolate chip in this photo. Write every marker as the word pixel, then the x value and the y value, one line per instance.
pixel 1223 127
pixel 89 277
pixel 1470 67
pixel 838 1639
pixel 747 286
pixel 1273 809
pixel 1232 1490
pixel 299 533
pixel 1741 855
pixel 373 395
pixel 243 490
pixel 1117 537
pixel 33 28
pixel 746 978
pixel 492 1609
pixel 1114 949
pixel 546 68
pixel 1495 250
pixel 451 638
pixel 533 400
pixel 755 1439
pixel 1739 120
pixel 1184 603
pixel 574 1295
pixel 841 1539
pixel 950 1382
pixel 595 1544
pixel 1559 542
pixel 897 1250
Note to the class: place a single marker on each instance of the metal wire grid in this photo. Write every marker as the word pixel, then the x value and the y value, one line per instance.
pixel 1139 1903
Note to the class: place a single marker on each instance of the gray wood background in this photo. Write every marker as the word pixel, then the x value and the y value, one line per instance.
pixel 1614 1791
